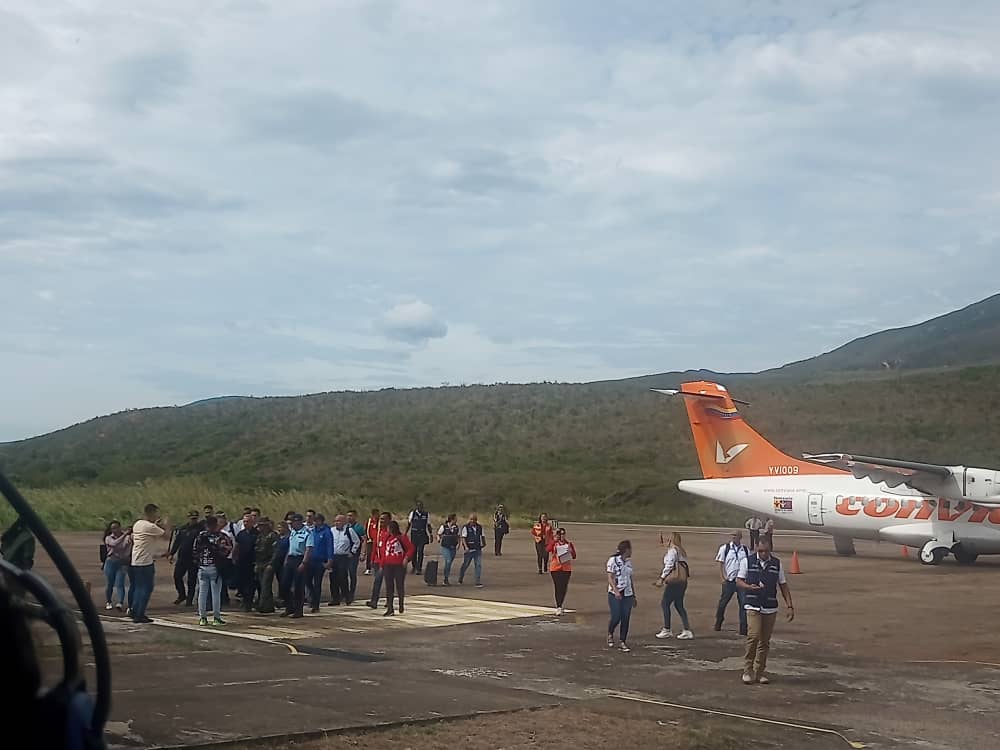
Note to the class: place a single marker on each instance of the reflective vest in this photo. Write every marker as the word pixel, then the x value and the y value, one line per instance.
pixel 759 571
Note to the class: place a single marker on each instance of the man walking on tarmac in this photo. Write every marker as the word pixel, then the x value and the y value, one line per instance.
pixel 418 528
pixel 730 555
pixel 183 559
pixel 760 576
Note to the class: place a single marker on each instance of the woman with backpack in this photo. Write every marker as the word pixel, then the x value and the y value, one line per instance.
pixel 674 579
pixel 117 553
pixel 448 534
pixel 501 527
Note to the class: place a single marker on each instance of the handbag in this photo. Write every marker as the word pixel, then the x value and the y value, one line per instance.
pixel 679 574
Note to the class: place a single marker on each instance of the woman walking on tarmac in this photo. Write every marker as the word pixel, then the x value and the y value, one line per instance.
pixel 563 554
pixel 448 535
pixel 118 548
pixel 621 594
pixel 674 579
pixel 541 534
pixel 397 552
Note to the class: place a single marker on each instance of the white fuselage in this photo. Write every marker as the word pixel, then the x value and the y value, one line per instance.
pixel 841 505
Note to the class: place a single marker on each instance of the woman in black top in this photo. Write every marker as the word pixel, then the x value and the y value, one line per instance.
pixel 448 534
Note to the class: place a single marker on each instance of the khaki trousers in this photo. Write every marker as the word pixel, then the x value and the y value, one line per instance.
pixel 759 630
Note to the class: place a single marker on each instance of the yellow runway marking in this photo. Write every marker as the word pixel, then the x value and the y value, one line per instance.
pixel 792 725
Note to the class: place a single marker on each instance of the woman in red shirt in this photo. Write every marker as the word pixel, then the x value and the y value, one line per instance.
pixel 396 552
pixel 561 565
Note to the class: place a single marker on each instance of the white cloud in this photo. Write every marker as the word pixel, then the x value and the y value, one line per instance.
pixel 414 322
pixel 245 197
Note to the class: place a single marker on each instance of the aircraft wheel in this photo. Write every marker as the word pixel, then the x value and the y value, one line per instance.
pixel 934 556
pixel 962 557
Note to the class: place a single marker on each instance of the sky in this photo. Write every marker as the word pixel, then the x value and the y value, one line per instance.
pixel 204 198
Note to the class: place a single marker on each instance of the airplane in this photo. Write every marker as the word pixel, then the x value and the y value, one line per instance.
pixel 939 510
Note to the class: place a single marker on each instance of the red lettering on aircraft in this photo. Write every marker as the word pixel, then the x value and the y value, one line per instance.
pixel 881 507
pixel 884 507
pixel 845 508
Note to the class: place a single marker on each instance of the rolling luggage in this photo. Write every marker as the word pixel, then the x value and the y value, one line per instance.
pixel 431 572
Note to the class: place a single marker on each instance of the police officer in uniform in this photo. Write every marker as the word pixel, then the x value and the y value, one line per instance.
pixel 760 577
pixel 418 528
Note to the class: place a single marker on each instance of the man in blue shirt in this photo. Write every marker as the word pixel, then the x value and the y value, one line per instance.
pixel 293 575
pixel 318 559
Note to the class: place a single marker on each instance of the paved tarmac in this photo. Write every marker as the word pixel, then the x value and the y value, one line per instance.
pixel 884 652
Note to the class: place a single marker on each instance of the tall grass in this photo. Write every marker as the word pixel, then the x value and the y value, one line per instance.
pixel 90 507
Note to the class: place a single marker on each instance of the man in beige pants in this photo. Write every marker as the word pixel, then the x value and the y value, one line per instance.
pixel 760 577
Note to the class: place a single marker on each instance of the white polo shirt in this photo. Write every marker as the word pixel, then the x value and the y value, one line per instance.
pixel 732 555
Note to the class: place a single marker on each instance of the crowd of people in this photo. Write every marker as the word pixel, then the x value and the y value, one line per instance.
pixel 215 558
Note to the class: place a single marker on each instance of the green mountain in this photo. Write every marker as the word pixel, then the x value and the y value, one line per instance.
pixel 600 450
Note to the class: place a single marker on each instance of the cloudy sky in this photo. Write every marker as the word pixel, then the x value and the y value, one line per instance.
pixel 215 197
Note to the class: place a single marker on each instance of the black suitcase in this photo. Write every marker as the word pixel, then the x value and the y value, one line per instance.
pixel 431 572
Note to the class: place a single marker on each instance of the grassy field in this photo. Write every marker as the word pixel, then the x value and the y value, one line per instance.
pixel 597 452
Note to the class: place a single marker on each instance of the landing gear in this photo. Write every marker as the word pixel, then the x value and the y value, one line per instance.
pixel 932 556
pixel 844 546
pixel 963 557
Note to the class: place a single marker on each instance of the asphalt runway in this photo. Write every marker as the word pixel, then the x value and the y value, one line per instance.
pixel 884 652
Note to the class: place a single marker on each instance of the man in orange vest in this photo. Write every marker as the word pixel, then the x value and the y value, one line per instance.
pixel 541 533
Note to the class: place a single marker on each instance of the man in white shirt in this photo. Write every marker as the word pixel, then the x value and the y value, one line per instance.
pixel 729 557
pixel 760 577
pixel 754 525
pixel 345 545
pixel 145 534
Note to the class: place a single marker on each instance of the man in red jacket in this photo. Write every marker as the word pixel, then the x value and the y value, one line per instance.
pixel 378 551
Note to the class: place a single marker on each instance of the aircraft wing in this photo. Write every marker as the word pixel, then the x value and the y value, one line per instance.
pixel 930 479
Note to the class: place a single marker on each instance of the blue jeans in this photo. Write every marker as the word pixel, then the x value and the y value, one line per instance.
pixel 114 574
pixel 728 589
pixel 472 556
pixel 209 583
pixel 448 553
pixel 145 578
pixel 621 612
pixel 673 593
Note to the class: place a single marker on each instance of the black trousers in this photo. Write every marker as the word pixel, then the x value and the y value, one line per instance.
pixel 377 574
pixel 498 541
pixel 294 584
pixel 560 579
pixel 543 556
pixel 369 547
pixel 420 540
pixel 246 582
pixel 754 538
pixel 352 574
pixel 186 571
pixel 395 584
pixel 315 574
pixel 340 581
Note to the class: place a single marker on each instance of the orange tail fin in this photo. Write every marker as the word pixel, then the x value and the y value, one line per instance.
pixel 727 446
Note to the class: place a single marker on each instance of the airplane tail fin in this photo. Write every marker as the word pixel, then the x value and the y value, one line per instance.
pixel 727 446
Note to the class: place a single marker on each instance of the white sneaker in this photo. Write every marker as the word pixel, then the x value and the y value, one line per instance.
pixel 762 679
pixel 665 634
pixel 686 635
pixel 109 606
pixel 748 679
pixel 559 611
pixel 624 647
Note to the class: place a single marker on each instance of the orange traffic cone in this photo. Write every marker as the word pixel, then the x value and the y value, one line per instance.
pixel 794 570
pixel 906 551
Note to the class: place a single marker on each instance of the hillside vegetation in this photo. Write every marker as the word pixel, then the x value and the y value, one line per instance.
pixel 602 451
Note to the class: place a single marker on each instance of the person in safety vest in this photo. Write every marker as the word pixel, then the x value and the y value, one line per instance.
pixel 760 577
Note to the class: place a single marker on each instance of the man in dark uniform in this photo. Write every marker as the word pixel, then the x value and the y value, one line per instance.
pixel 183 560
pixel 246 544
pixel 761 576
pixel 263 555
pixel 418 528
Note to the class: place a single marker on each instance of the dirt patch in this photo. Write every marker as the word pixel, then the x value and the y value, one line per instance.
pixel 566 726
